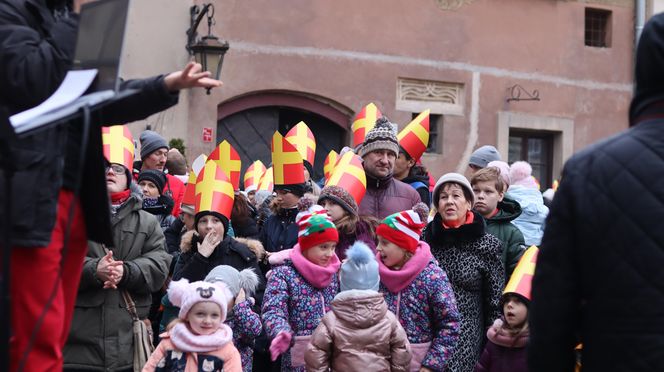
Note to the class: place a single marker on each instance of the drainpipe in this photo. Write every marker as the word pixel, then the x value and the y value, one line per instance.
pixel 640 20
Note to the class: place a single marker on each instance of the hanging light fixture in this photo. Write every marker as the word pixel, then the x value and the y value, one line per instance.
pixel 209 51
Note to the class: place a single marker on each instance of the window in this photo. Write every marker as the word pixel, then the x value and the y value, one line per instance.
pixel 598 28
pixel 434 145
pixel 535 147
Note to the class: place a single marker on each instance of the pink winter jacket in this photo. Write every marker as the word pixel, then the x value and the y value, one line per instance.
pixel 358 334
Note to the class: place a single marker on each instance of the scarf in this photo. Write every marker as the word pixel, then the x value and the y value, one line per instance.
pixel 500 335
pixel 185 340
pixel 470 217
pixel 318 276
pixel 117 198
pixel 397 280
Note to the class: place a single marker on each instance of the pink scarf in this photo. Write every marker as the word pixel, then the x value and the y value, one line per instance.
pixel 318 276
pixel 500 335
pixel 397 280
pixel 185 340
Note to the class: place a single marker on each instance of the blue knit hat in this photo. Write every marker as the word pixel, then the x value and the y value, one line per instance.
pixel 360 270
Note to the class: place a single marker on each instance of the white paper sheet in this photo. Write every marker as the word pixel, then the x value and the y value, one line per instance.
pixel 72 87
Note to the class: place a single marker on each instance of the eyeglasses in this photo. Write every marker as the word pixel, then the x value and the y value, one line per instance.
pixel 117 168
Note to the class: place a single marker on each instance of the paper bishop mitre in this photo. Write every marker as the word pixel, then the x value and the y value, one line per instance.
pixel 414 138
pixel 349 175
pixel 214 191
pixel 229 161
pixel 253 174
pixel 287 162
pixel 118 144
pixel 522 277
pixel 330 162
pixel 364 122
pixel 304 141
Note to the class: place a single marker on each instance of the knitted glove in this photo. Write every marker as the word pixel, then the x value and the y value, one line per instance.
pixel 280 344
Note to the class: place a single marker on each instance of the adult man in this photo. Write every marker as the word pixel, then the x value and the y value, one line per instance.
pixel 481 157
pixel 37 39
pixel 599 278
pixel 154 154
pixel 385 195
pixel 408 171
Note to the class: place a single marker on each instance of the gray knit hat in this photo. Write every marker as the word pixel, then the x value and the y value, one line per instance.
pixel 235 280
pixel 381 137
pixel 151 141
pixel 483 156
pixel 360 269
pixel 455 178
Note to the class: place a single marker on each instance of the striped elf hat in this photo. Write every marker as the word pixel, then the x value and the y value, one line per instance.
pixel 315 227
pixel 403 229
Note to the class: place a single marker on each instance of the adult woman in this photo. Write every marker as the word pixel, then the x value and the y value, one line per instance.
pixel 101 331
pixel 152 182
pixel 472 259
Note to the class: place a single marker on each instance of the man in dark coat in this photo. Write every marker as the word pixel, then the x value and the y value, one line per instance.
pixel 599 278
pixel 37 41
pixel 385 195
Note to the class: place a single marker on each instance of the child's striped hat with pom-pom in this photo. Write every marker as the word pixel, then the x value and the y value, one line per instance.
pixel 403 229
pixel 315 227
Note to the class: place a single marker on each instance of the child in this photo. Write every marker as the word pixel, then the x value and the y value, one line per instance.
pixel 198 340
pixel 342 209
pixel 300 291
pixel 506 349
pixel 498 211
pixel 416 289
pixel 244 322
pixel 525 190
pixel 359 333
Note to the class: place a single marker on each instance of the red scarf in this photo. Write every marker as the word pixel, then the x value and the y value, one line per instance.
pixel 470 217
pixel 118 198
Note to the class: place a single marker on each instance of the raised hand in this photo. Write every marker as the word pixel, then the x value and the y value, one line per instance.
pixel 190 77
pixel 209 244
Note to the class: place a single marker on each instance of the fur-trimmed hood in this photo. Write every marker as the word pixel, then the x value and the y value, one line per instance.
pixel 254 246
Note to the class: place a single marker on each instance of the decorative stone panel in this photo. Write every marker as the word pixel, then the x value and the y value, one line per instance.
pixel 416 95
pixel 452 4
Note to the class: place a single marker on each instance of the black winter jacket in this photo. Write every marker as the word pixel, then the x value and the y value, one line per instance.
pixel 599 277
pixel 236 252
pixel 599 274
pixel 36 50
pixel 280 230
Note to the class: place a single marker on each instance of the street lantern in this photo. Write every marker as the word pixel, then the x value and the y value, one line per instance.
pixel 209 51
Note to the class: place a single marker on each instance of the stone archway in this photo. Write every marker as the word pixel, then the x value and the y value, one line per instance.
pixel 248 123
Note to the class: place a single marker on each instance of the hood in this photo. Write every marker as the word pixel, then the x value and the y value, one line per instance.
pixel 360 308
pixel 255 246
pixel 421 178
pixel 649 73
pixel 508 210
pixel 530 200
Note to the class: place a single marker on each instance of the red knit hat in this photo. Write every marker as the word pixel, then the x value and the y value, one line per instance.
pixel 315 227
pixel 403 229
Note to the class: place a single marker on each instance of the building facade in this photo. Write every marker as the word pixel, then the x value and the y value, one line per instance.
pixel 539 79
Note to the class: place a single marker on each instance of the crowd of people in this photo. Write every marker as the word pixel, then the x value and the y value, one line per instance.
pixel 175 267
pixel 360 271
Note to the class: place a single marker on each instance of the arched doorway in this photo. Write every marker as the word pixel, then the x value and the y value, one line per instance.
pixel 249 122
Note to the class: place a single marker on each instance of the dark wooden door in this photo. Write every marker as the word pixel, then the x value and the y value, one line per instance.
pixel 250 132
